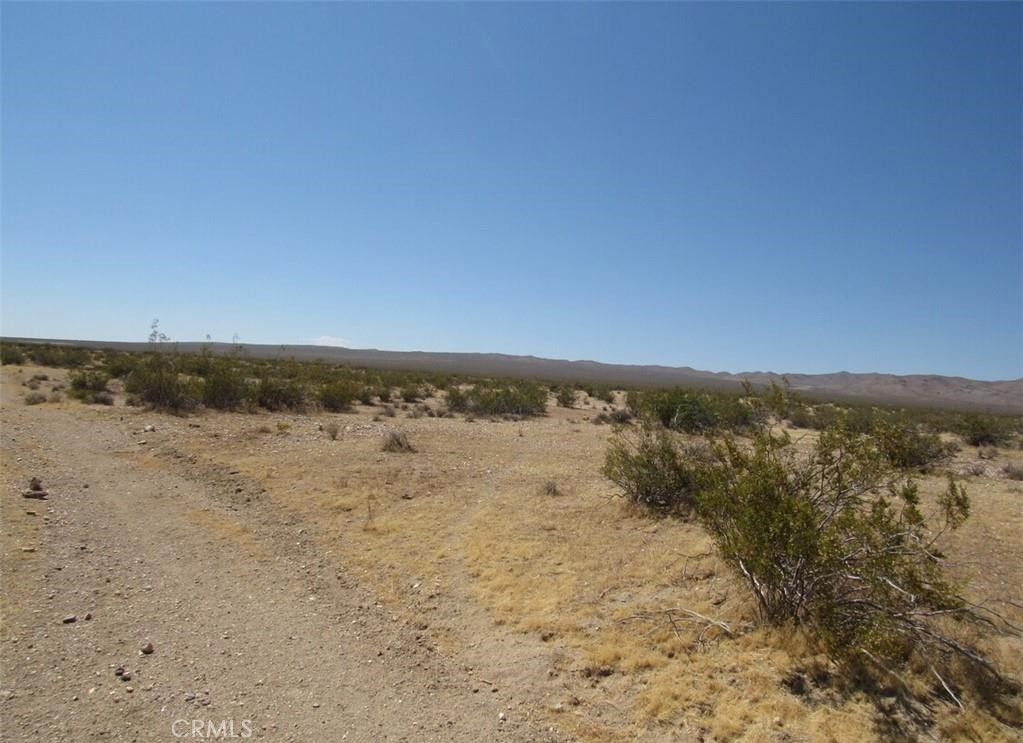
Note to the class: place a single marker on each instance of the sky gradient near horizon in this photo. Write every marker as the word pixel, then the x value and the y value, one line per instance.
pixel 738 187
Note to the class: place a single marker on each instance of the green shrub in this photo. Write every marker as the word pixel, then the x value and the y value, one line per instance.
pixel 681 410
pixel 57 356
pixel 155 381
pixel 905 447
pixel 834 541
pixel 225 386
pixel 521 399
pixel 89 381
pixel 338 396
pixel 119 365
pixel 11 354
pixel 984 430
pixel 457 400
pixel 279 394
pixel 801 416
pixel 653 470
pixel 566 397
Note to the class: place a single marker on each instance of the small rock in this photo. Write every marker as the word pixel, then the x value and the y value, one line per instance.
pixel 70 619
pixel 35 484
pixel 31 513
pixel 28 549
pixel 129 689
pixel 147 649
pixel 126 676
pixel 119 671
pixel 88 616
pixel 501 717
pixel 315 705
pixel 37 494
pixel 148 429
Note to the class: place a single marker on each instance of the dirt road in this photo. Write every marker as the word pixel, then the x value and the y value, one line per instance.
pixel 255 633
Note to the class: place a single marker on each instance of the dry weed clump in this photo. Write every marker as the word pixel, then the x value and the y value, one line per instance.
pixel 397 442
pixel 1013 471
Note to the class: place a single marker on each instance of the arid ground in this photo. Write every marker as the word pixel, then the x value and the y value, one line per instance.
pixel 487 586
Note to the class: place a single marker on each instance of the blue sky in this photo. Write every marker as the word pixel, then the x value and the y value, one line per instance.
pixel 793 187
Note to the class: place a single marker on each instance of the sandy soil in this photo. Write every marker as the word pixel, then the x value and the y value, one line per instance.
pixel 307 588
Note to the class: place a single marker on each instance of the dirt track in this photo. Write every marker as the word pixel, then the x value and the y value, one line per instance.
pixel 249 621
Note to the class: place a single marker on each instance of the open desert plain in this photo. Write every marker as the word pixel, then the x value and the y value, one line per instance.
pixel 283 577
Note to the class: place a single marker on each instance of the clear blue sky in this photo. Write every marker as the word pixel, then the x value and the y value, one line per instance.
pixel 797 187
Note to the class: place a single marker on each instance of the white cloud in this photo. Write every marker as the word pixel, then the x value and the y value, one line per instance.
pixel 329 340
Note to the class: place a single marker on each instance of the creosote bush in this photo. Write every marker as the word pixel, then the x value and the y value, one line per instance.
pixel 984 430
pixel 156 381
pixel 279 394
pixel 520 399
pixel 906 447
pixel 224 386
pixel 339 396
pixel 566 397
pixel 653 470
pixel 834 541
pixel 88 381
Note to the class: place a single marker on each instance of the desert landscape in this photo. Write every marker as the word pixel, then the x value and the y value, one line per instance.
pixel 548 372
pixel 284 570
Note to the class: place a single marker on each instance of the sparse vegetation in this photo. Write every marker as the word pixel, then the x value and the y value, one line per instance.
pixel 35 398
pixel 332 429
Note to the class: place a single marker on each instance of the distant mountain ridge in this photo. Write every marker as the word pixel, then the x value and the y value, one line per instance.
pixel 926 390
